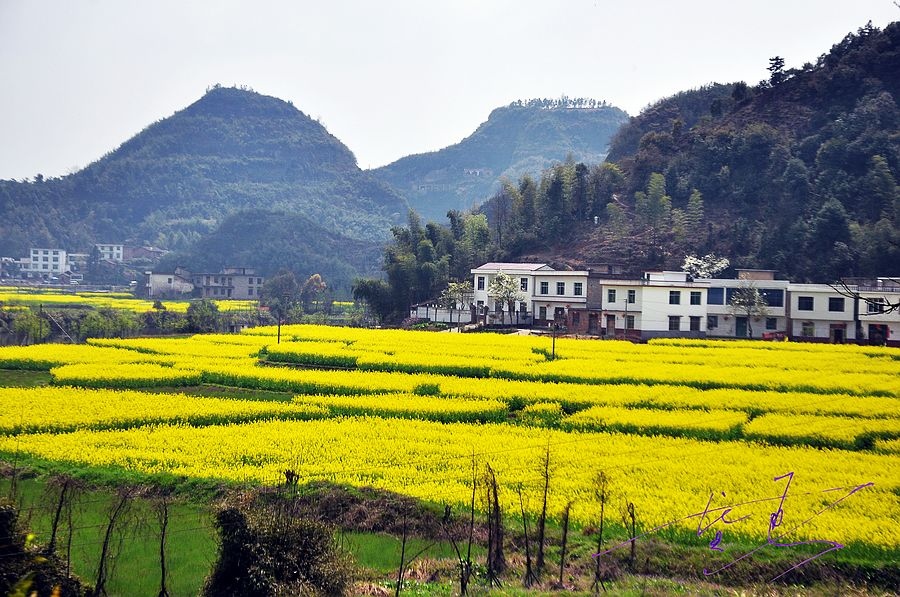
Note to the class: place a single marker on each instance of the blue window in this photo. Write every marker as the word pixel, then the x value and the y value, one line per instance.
pixel 715 296
pixel 774 297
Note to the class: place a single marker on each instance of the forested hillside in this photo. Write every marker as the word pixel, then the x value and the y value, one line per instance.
pixel 523 137
pixel 798 173
pixel 179 179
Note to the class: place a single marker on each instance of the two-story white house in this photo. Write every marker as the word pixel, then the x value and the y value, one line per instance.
pixel 547 295
pixel 820 313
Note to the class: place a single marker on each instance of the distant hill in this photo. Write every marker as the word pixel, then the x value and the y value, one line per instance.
pixel 175 182
pixel 524 137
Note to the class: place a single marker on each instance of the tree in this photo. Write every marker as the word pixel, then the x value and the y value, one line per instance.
pixel 30 326
pixel 311 292
pixel 280 294
pixel 748 302
pixel 653 207
pixel 704 267
pixel 456 296
pixel 505 290
pixel 377 295
pixel 776 68
pixel 203 316
pixel 266 549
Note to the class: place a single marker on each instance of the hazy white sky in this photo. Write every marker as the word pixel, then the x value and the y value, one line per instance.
pixel 389 77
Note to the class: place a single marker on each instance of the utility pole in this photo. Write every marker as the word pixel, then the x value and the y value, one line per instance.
pixel 40 322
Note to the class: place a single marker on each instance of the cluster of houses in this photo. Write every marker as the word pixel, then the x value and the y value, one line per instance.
pixel 60 265
pixel 64 267
pixel 673 304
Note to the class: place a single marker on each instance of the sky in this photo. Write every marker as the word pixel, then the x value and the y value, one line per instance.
pixel 388 78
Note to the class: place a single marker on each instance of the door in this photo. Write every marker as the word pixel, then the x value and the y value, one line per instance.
pixel 593 323
pixel 837 335
pixel 611 325
pixel 740 327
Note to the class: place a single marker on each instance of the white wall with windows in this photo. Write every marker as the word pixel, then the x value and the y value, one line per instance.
pixel 819 312
pixel 722 322
pixel 673 305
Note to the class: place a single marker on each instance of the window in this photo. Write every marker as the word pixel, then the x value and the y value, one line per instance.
pixel 696 297
pixel 480 283
pixel 545 289
pixel 674 323
pixel 875 305
pixel 249 280
pixel 771 323
pixel 559 314
pixel 249 292
pixel 498 307
pixel 808 329
pixel 632 297
pixel 523 284
pixel 674 298
pixel 715 296
pixel 542 311
pixel 611 295
pixel 804 303
pixel 560 288
pixel 46 259
pixel 168 280
pixel 695 323
pixel 216 280
pixel 259 280
pixel 523 308
pixel 712 322
pixel 578 289
pixel 629 322
pixel 836 303
pixel 774 296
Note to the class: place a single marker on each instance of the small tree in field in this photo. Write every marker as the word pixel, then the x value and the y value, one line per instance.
pixel 505 289
pixel 456 296
pixel 748 302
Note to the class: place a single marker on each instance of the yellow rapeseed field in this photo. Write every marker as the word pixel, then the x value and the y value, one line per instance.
pixel 671 423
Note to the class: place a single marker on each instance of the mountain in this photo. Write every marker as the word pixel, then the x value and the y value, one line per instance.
pixel 798 173
pixel 523 137
pixel 232 151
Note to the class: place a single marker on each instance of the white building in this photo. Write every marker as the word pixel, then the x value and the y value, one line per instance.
pixel 111 252
pixel 163 285
pixel 672 304
pixel 875 322
pixel 723 322
pixel 659 304
pixel 820 313
pixel 44 263
pixel 547 295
